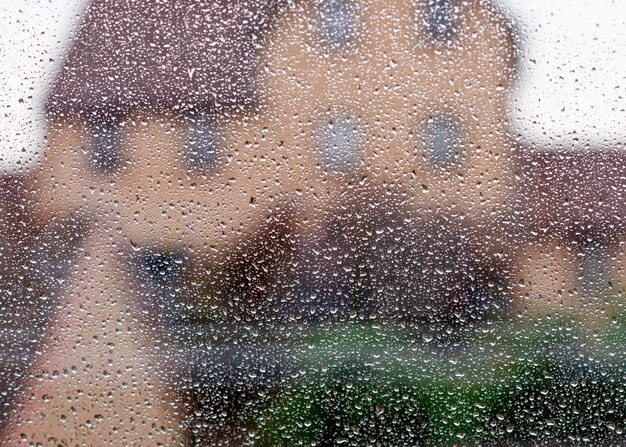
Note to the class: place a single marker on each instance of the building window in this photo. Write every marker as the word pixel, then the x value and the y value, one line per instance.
pixel 594 267
pixel 161 268
pixel 160 285
pixel 442 141
pixel 337 22
pixel 340 143
pixel 203 142
pixel 105 146
pixel 440 19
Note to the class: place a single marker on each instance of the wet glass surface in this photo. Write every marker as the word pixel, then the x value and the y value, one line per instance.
pixel 323 222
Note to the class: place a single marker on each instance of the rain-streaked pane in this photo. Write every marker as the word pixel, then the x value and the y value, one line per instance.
pixel 312 222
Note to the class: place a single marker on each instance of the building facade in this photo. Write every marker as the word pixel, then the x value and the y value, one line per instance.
pixel 302 163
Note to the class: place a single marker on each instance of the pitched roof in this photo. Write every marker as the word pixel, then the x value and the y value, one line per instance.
pixel 567 192
pixel 161 55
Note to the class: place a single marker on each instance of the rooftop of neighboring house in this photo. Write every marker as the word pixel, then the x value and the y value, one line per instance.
pixel 572 192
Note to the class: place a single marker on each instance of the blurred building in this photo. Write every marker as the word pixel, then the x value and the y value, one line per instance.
pixel 402 107
pixel 571 234
pixel 161 130
pixel 409 96
pixel 304 162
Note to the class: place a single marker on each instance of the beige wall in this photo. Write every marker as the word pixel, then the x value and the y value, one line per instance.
pixel 97 380
pixel 393 78
pixel 546 279
pixel 550 280
pixel 158 200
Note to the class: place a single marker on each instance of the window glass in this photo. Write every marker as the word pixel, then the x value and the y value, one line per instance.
pixel 595 266
pixel 441 17
pixel 338 22
pixel 203 142
pixel 442 141
pixel 312 223
pixel 105 146
pixel 339 143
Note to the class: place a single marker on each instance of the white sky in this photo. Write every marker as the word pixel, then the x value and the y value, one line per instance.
pixel 571 94
pixel 34 39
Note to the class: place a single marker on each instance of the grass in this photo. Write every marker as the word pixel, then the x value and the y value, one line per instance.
pixel 544 380
pixel 550 380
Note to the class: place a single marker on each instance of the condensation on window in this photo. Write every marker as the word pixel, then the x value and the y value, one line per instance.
pixel 312 222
